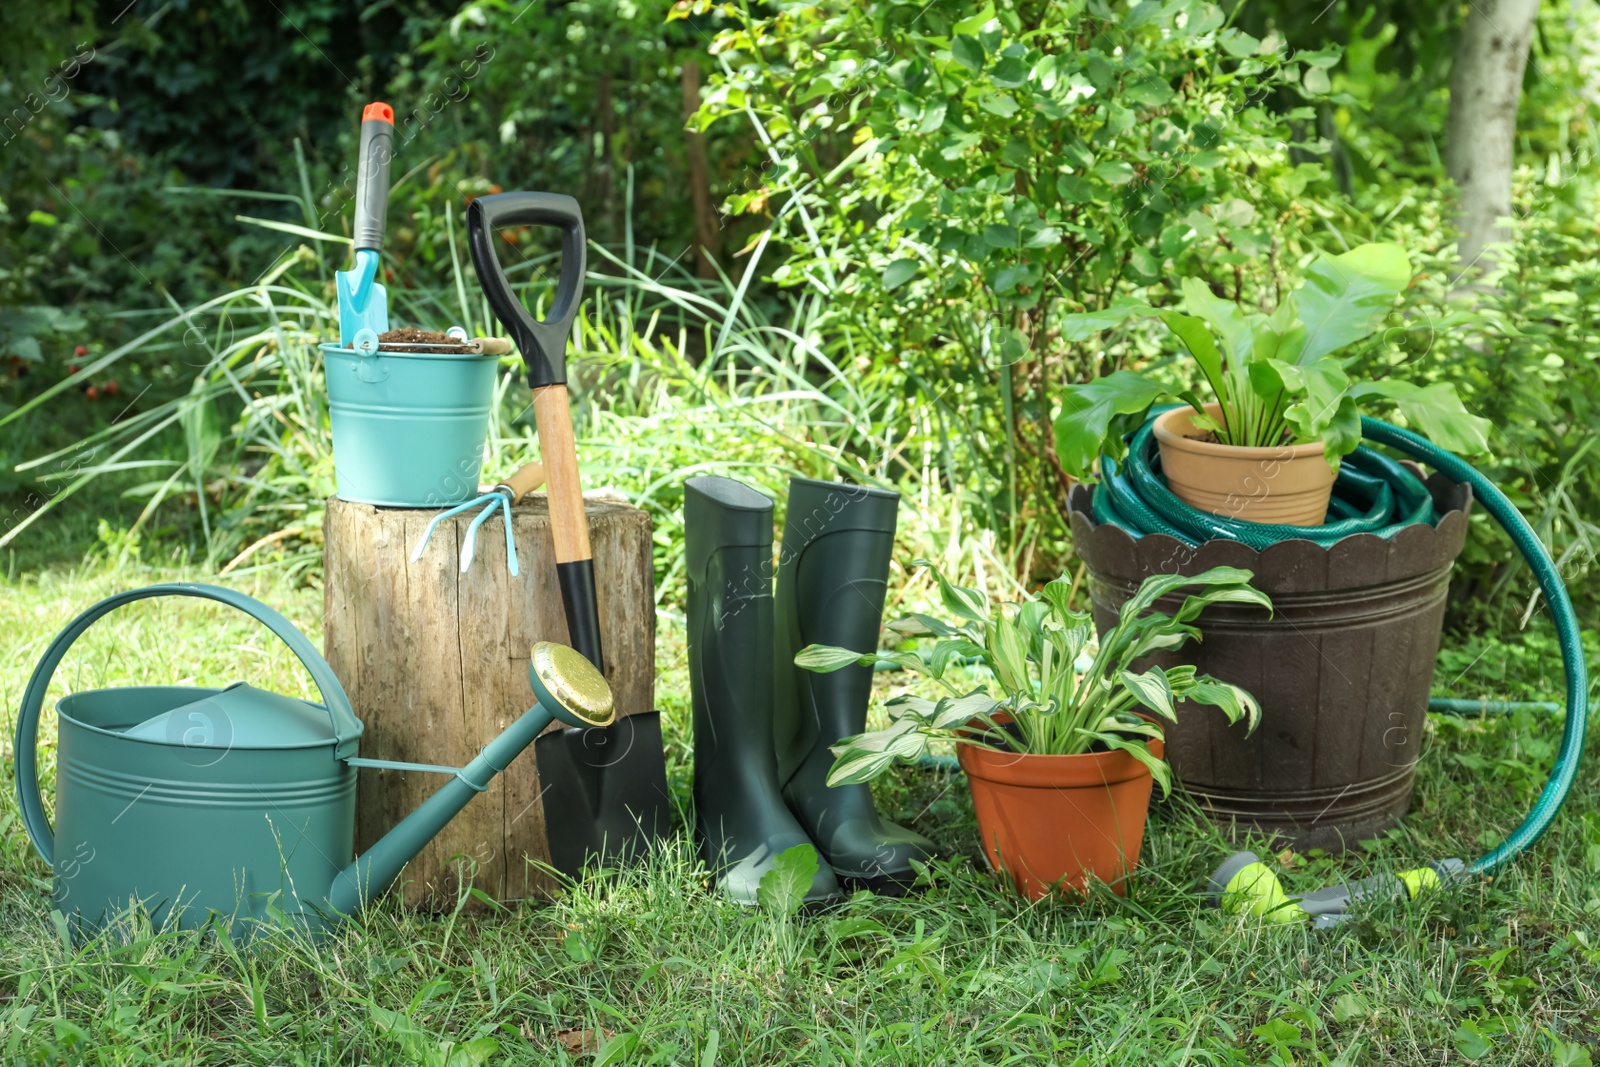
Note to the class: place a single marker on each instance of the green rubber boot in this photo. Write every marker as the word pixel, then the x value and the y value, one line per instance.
pixel 741 821
pixel 832 577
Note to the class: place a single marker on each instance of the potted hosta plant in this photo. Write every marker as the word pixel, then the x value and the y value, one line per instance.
pixel 1264 439
pixel 1060 756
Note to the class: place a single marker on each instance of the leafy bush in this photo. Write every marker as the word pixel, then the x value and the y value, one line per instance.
pixel 583 97
pixel 956 182
pixel 1526 362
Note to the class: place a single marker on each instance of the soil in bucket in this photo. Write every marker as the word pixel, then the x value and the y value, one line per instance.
pixel 398 340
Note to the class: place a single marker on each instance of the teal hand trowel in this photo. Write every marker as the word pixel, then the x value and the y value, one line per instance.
pixel 363 302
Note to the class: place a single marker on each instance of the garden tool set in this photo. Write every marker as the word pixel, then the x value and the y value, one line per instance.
pixel 238 802
pixel 763 729
pixel 410 419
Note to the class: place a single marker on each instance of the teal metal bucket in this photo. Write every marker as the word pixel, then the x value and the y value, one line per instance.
pixel 408 429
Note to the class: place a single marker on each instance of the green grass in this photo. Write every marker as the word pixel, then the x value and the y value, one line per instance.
pixel 651 968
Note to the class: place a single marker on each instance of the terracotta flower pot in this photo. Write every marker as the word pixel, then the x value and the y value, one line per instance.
pixel 1057 821
pixel 1286 484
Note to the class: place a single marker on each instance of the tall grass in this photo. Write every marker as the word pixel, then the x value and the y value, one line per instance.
pixel 672 376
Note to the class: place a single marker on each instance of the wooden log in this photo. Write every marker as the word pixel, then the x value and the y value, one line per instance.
pixel 436 664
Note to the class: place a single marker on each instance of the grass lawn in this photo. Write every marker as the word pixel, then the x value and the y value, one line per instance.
pixel 647 967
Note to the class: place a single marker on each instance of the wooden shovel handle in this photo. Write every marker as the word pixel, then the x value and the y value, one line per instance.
pixel 569 524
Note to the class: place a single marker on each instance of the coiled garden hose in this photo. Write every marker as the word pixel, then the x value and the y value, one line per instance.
pixel 1374 494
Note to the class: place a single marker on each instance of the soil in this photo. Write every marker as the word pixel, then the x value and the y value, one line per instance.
pixel 1210 438
pixel 411 335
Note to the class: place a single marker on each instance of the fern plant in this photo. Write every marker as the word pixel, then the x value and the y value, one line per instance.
pixel 1032 649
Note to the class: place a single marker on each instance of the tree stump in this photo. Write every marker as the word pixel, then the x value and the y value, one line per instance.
pixel 436 665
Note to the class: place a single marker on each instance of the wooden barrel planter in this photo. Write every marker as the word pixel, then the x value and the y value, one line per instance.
pixel 1343 669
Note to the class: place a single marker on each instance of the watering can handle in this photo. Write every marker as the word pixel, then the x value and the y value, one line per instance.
pixel 346 727
pixel 543 343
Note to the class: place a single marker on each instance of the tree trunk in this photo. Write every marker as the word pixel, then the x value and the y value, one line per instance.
pixel 436 664
pixel 707 231
pixel 1485 86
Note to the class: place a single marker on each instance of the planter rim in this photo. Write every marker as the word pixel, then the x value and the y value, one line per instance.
pixel 1084 770
pixel 1287 568
pixel 1169 433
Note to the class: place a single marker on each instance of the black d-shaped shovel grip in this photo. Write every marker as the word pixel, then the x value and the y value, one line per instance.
pixel 543 344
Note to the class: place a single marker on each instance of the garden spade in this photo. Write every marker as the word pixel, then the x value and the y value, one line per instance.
pixel 618 806
pixel 363 302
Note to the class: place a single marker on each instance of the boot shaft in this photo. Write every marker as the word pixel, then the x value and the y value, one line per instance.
pixel 728 552
pixel 838 541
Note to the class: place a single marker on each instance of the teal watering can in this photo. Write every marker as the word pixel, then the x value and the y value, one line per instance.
pixel 239 803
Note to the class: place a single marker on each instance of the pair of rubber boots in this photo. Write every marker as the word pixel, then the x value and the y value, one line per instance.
pixel 763 727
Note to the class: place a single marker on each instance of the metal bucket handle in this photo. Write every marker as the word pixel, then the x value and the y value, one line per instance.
pixel 346 727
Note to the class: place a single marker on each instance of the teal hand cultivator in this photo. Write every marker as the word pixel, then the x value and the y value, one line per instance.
pixel 527 478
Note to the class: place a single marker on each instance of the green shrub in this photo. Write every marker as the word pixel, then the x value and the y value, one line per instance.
pixel 956 181
pixel 1528 365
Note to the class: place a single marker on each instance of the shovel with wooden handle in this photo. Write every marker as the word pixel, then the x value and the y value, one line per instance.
pixel 544 351
pixel 605 788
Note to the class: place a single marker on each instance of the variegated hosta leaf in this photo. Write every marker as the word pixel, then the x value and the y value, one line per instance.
pixel 1156 638
pixel 1032 616
pixel 907 706
pixel 1070 639
pixel 1157 586
pixel 958 648
pixel 918 625
pixel 1242 594
pixel 958 600
pixel 1139 750
pixel 954 712
pixel 824 659
pixel 1057 594
pixel 865 756
pixel 1235 703
pixel 909 661
pixel 1126 722
pixel 1021 705
pixel 1182 674
pixel 1152 690
pixel 1008 651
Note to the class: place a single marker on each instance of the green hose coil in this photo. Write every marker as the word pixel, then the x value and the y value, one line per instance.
pixel 1374 494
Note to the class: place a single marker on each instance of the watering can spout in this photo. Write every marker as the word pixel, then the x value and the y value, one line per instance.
pixel 568 688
